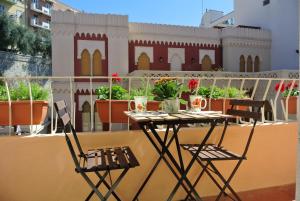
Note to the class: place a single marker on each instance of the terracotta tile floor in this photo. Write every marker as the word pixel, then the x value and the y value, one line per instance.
pixel 282 193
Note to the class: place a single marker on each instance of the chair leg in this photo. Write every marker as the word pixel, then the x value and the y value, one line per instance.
pixel 196 182
pixel 107 185
pixel 91 184
pixel 226 182
pixel 114 185
pixel 102 179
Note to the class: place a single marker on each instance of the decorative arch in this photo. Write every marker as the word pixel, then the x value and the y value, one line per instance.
pixel 249 64
pixel 206 63
pixel 176 62
pixel 86 116
pixel 85 63
pixel 242 64
pixel 256 64
pixel 97 63
pixel 143 62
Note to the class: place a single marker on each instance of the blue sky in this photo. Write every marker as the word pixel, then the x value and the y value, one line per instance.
pixel 178 12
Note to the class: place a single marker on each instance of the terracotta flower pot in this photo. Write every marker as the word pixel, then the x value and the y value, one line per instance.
pixel 218 104
pixel 117 110
pixel 221 104
pixel 292 104
pixel 21 112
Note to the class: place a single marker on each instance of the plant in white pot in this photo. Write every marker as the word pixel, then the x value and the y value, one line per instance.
pixel 169 91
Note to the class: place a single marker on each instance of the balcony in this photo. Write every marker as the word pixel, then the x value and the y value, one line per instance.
pixel 275 139
pixel 37 23
pixel 42 9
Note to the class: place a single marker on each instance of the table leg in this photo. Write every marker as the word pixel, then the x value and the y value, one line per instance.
pixel 177 166
pixel 184 174
pixel 161 152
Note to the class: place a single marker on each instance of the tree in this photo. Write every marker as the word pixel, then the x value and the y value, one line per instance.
pixel 6 26
pixel 18 38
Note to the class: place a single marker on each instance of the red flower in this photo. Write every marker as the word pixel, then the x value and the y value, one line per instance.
pixel 116 77
pixel 193 83
pixel 290 84
pixel 278 85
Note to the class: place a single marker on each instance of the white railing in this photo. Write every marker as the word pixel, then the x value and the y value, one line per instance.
pixel 262 88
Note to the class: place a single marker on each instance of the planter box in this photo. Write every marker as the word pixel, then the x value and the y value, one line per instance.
pixel 117 110
pixel 21 112
pixel 218 105
pixel 221 105
pixel 292 104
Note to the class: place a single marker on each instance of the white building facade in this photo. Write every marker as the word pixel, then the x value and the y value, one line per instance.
pixel 278 16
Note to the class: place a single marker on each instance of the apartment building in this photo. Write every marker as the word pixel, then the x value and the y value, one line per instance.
pixel 39 12
pixel 15 9
pixel 33 13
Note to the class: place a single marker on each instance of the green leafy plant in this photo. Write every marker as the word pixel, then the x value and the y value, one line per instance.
pixel 168 88
pixel 20 91
pixel 118 93
pixel 233 92
pixel 141 92
pixel 217 92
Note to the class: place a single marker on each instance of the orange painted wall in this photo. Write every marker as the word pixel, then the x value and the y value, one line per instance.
pixel 40 168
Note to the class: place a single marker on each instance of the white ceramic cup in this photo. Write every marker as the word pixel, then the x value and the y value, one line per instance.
pixel 140 104
pixel 196 103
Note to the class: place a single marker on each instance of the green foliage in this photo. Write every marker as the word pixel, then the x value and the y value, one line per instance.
pixel 141 92
pixel 294 92
pixel 233 92
pixel 6 26
pixel 18 38
pixel 3 93
pixel 118 93
pixel 217 92
pixel 21 92
pixel 167 88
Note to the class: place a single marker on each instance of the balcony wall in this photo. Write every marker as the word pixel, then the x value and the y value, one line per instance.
pixel 40 168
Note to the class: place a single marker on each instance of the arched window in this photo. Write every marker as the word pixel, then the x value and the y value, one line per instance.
pixel 97 63
pixel 86 116
pixel 143 62
pixel 242 64
pixel 206 63
pixel 249 64
pixel 85 63
pixel 256 64
pixel 176 63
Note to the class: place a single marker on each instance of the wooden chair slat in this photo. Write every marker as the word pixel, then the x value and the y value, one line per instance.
pixel 130 156
pixel 110 160
pixel 245 102
pixel 121 158
pixel 60 105
pixel 65 118
pixel 245 114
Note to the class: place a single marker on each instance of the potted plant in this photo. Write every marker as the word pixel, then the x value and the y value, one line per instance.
pixel 290 96
pixel 116 102
pixel 169 91
pixel 21 106
pixel 120 101
pixel 219 98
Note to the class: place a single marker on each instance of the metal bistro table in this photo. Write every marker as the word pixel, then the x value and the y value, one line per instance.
pixel 149 121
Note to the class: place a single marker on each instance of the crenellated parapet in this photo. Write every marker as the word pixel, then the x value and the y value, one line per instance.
pixel 173 33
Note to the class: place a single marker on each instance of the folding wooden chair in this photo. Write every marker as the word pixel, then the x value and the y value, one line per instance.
pixel 96 160
pixel 216 152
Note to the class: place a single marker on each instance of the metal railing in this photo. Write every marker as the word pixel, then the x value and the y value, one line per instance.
pixel 79 90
